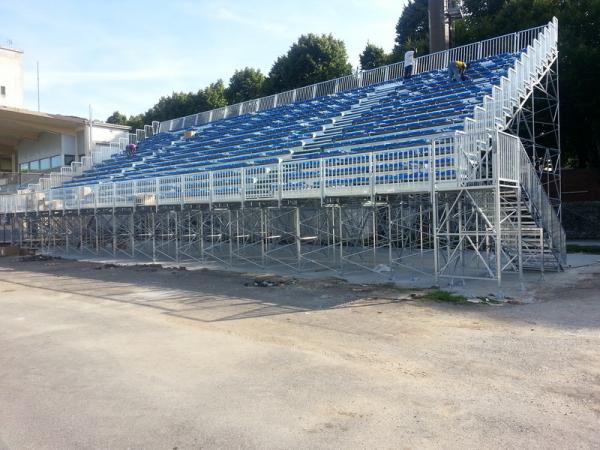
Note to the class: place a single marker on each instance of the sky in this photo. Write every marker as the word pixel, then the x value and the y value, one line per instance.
pixel 124 55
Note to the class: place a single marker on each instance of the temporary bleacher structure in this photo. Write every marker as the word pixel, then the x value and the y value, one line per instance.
pixel 369 172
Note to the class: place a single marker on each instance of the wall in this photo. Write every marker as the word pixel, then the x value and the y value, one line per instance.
pixel 48 144
pixel 581 220
pixel 103 134
pixel 69 145
pixel 581 203
pixel 11 77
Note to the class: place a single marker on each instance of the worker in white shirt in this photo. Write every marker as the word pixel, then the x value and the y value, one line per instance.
pixel 409 61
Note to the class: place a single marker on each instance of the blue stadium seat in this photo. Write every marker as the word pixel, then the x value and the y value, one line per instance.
pixel 399 118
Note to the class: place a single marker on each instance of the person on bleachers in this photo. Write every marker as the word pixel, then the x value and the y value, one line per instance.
pixel 409 61
pixel 130 149
pixel 456 70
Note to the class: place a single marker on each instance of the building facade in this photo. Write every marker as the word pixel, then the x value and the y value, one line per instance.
pixel 11 77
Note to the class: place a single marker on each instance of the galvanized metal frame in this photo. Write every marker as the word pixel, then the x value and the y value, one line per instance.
pixel 339 214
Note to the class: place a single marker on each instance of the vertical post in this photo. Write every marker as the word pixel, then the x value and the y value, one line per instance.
pixel 201 223
pixel 298 238
pixel 341 238
pixel 498 226
pixel 421 228
pixel 177 229
pixel 67 227
pixel 322 179
pixel 132 231
pixel 372 177
pixel 230 232
pixel 37 66
pixel 333 235
pixel 374 217
pixel 542 252
pixel 114 232
pixel 153 233
pixel 389 231
pixel 434 217
pixel 279 182
pixel 262 236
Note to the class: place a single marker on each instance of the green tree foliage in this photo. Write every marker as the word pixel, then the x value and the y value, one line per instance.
pixel 579 60
pixel 372 57
pixel 412 30
pixel 245 84
pixel 117 118
pixel 212 97
pixel 180 104
pixel 311 59
pixel 136 122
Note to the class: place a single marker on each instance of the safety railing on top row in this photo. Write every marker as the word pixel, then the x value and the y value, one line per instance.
pixel 513 42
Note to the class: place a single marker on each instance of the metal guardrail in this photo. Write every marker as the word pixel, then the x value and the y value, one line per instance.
pixel 11 182
pixel 435 61
pixel 366 174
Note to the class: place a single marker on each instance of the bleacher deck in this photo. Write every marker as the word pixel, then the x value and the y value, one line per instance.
pixel 400 117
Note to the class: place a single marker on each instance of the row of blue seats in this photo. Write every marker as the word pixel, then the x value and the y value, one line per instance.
pixel 425 106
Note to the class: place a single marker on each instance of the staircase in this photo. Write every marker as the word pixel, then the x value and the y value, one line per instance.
pixel 538 251
pixel 338 124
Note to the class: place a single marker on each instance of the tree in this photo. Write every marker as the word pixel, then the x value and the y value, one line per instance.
pixel 136 122
pixel 372 57
pixel 412 30
pixel 245 84
pixel 579 60
pixel 117 118
pixel 211 97
pixel 310 60
pixel 175 105
pixel 180 104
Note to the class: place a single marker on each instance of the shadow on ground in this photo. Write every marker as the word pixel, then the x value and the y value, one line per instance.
pixel 567 300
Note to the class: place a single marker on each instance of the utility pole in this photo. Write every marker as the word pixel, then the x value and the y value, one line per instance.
pixel 37 63
pixel 442 14
pixel 90 131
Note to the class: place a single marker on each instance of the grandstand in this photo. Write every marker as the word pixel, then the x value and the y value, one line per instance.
pixel 358 173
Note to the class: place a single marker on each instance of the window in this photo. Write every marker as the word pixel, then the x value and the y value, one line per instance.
pixel 3 91
pixel 69 159
pixel 34 165
pixel 44 164
pixel 24 167
pixel 56 161
pixel 5 165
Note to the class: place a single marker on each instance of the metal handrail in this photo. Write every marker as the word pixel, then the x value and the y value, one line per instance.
pixel 512 42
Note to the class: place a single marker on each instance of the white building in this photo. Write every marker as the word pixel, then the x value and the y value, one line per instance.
pixel 37 142
pixel 11 77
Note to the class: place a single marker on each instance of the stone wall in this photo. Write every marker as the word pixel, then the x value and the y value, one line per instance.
pixel 581 220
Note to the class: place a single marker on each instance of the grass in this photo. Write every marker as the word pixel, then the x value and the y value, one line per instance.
pixel 445 296
pixel 592 249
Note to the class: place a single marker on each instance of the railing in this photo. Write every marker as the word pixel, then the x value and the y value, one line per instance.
pixel 540 203
pixel 514 165
pixel 11 182
pixel 367 174
pixel 508 43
